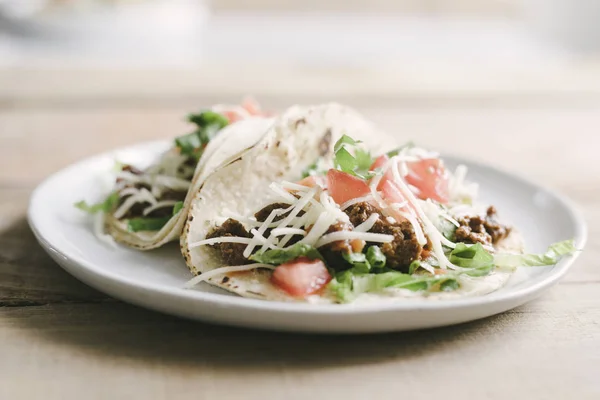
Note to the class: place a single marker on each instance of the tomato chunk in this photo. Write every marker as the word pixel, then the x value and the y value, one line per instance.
pixel 430 179
pixel 313 181
pixel 301 277
pixel 343 187
pixel 379 162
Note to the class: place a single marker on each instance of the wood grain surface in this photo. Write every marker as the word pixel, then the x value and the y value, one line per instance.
pixel 63 340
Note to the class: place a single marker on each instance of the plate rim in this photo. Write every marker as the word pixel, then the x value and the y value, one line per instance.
pixel 76 262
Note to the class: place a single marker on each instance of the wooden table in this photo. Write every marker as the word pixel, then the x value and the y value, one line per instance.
pixel 63 340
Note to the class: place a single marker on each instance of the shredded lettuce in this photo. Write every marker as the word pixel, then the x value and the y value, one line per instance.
pixel 372 260
pixel 376 258
pixel 355 163
pixel 147 224
pixel 477 259
pixel 208 124
pixel 277 257
pixel 553 255
pixel 177 207
pixel 106 206
pixel 347 285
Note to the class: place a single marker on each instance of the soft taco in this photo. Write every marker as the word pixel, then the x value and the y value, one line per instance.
pixel 147 208
pixel 326 209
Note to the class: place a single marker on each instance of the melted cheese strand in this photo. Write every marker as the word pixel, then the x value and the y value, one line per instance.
pixel 348 235
pixel 223 270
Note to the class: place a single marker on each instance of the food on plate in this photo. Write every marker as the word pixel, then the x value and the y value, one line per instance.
pixel 148 207
pixel 326 209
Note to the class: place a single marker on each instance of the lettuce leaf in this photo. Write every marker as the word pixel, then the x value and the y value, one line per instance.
pixel 347 285
pixel 208 124
pixel 553 255
pixel 177 207
pixel 376 258
pixel 105 206
pixel 147 223
pixel 277 257
pixel 477 259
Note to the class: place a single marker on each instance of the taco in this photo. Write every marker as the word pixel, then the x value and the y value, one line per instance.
pixel 324 209
pixel 147 208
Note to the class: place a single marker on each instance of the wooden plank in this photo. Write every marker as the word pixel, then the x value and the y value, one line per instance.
pixel 448 85
pixel 27 274
pixel 546 350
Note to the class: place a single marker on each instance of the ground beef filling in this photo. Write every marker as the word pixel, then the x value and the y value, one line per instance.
pixel 400 253
pixel 403 250
pixel 137 210
pixel 232 253
pixel 333 252
pixel 481 229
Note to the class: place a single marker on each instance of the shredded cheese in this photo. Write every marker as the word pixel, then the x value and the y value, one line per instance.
pixel 141 197
pixel 288 231
pixel 357 200
pixel 222 239
pixel 223 270
pixel 434 235
pixel 160 204
pixel 368 224
pixel 349 235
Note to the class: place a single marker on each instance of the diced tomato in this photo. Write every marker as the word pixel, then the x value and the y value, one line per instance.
pixel 391 192
pixel 252 106
pixel 232 116
pixel 313 181
pixel 343 187
pixel 301 276
pixel 379 162
pixel 430 179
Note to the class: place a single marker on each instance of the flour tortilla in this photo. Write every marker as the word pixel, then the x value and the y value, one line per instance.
pixel 241 187
pixel 227 145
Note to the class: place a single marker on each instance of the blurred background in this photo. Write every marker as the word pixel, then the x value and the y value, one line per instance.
pixel 388 53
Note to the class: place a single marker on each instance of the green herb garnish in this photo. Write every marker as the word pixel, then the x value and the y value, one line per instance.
pixel 349 157
pixel 106 206
pixel 208 124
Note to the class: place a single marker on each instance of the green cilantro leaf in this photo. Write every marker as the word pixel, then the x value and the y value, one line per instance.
pixel 106 206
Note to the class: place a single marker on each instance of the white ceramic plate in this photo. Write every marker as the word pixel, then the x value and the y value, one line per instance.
pixel 155 279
